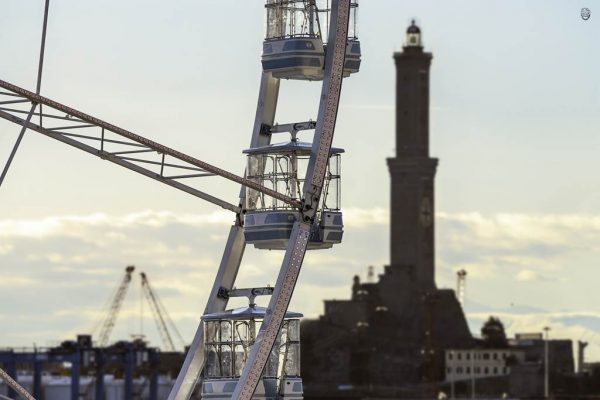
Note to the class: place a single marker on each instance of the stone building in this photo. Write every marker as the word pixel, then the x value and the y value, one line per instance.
pixel 392 333
pixel 467 364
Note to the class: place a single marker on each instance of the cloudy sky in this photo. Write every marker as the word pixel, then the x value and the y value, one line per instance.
pixel 515 122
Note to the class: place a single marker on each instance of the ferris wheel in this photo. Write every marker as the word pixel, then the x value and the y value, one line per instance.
pixel 289 197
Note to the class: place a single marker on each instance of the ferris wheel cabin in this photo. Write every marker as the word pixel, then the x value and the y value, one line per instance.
pixel 295 42
pixel 268 222
pixel 228 338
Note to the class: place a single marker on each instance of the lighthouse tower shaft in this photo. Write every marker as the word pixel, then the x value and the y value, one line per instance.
pixel 412 171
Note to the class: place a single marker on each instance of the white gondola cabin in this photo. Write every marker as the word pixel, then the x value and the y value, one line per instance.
pixel 268 222
pixel 295 42
pixel 228 338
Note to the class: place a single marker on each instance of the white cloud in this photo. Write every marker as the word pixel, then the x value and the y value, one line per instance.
pixel 69 265
pixel 365 217
pixel 72 225
pixel 527 275
pixel 6 248
pixel 373 107
pixel 512 230
pixel 20 282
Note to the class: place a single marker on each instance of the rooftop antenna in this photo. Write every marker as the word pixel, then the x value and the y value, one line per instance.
pixel 461 282
pixel 581 355
pixel 371 274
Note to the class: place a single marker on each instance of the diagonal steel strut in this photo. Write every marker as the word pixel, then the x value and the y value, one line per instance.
pixel 35 98
pixel 122 161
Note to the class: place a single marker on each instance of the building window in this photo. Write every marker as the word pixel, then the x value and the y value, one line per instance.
pixel 459 370
pixel 495 371
pixel 468 370
pixel 459 356
pixel 486 370
pixel 477 370
pixel 486 356
pixel 449 370
pixel 495 356
pixel 468 355
pixel 449 356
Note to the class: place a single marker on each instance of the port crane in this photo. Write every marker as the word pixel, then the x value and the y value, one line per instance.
pixel 115 306
pixel 281 205
pixel 159 312
pixel 161 317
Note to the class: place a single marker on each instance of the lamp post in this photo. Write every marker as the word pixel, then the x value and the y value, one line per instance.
pixel 546 376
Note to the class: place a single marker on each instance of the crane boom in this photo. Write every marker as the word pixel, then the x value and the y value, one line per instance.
pixel 158 314
pixel 115 307
pixel 128 152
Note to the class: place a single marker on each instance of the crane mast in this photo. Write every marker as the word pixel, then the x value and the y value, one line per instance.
pixel 115 307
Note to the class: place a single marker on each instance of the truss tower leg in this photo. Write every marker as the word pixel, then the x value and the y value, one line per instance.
pixel 234 249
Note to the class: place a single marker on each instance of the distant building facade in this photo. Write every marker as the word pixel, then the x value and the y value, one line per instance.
pixel 464 364
pixel 517 370
pixel 561 360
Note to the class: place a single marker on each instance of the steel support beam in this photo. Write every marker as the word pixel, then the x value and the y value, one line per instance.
pixel 17 143
pixel 37 91
pixel 120 161
pixel 37 377
pixel 35 98
pixel 129 364
pixel 99 387
pixel 75 376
